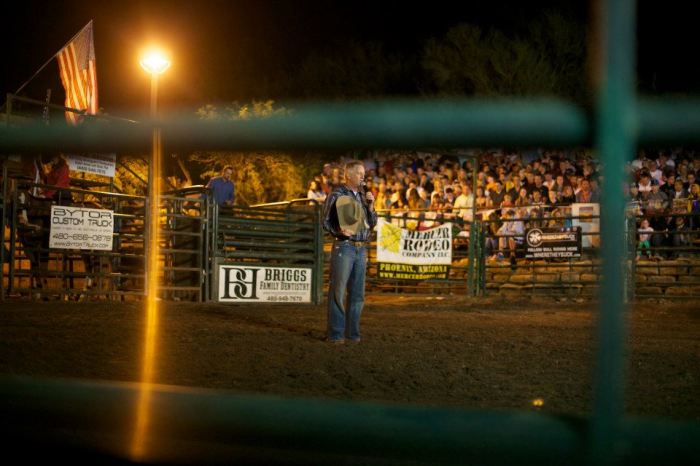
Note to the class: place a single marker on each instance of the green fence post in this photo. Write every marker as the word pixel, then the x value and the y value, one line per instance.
pixel 631 230
pixel 318 252
pixel 3 214
pixel 615 140
pixel 471 287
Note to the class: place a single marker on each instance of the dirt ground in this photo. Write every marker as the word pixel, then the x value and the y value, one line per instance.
pixel 449 352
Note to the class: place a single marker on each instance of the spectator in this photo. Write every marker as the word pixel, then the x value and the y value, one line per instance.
pixel 449 199
pixel 492 226
pixel 335 179
pixel 425 183
pixel 383 200
pixel 654 170
pixel 694 206
pixel 645 232
pixel 371 187
pixel 633 194
pixel 585 195
pixel 558 185
pixel 644 184
pixel 539 186
pixel 680 237
pixel 58 176
pixel 679 191
pixel 657 200
pixel 326 174
pixel 315 192
pixel 554 197
pixel 549 181
pixel 523 198
pixel 414 201
pixel 497 194
pixel 513 187
pixel 510 234
pixel 463 203
pixel 436 203
pixel 222 188
pixel 537 198
pixel 507 202
pixel 482 202
pixel 664 162
pixel 369 163
pixel 668 186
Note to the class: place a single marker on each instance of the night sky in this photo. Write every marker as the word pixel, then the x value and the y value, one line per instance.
pixel 222 49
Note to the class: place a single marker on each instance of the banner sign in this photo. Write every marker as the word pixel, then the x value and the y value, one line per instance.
pixel 412 271
pixel 98 164
pixel 545 243
pixel 401 246
pixel 81 228
pixel 245 283
pixel 589 221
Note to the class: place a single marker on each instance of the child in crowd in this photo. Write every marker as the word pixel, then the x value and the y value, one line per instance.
pixel 645 231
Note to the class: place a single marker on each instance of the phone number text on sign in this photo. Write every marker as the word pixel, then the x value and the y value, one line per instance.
pixel 81 228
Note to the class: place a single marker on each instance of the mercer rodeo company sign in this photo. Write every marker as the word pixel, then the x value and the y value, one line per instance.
pixel 81 228
pixel 243 283
pixel 413 255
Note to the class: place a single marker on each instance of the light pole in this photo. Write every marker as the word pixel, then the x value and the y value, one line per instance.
pixel 156 64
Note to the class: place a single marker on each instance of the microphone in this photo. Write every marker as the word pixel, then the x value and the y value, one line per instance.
pixel 363 190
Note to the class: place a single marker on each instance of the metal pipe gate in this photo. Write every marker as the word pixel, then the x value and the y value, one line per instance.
pixel 193 420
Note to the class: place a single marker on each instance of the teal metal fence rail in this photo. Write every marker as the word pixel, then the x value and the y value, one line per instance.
pixel 426 435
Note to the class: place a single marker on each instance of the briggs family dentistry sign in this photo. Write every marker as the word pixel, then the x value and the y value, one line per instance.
pixel 241 283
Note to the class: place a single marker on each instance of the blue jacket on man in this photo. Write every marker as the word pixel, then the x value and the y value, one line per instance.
pixel 223 190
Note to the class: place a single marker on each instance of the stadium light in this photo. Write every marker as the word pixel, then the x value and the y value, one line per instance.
pixel 155 63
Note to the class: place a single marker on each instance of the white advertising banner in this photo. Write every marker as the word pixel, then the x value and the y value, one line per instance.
pixel 81 228
pixel 98 164
pixel 245 283
pixel 589 223
pixel 401 246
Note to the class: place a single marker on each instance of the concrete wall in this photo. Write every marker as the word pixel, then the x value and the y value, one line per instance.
pixel 664 278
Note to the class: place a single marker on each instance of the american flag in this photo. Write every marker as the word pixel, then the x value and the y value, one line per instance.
pixel 76 64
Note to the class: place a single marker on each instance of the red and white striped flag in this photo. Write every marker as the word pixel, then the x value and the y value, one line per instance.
pixel 76 63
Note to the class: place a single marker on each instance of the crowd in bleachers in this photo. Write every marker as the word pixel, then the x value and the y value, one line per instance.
pixel 516 189
pixel 665 196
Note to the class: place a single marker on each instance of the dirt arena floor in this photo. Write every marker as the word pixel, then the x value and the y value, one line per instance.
pixel 445 352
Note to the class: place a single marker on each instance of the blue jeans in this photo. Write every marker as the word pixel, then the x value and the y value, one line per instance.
pixel 348 267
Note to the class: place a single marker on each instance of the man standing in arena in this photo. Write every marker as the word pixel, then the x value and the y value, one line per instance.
pixel 349 216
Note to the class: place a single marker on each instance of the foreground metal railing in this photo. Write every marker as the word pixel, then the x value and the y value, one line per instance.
pixel 189 426
pixel 74 417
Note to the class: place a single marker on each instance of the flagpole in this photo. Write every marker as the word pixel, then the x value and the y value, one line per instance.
pixel 49 60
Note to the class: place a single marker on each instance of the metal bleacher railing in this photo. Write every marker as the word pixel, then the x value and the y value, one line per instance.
pixel 194 426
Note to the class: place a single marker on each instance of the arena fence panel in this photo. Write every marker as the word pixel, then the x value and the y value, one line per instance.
pixel 365 432
pixel 35 270
pixel 249 242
